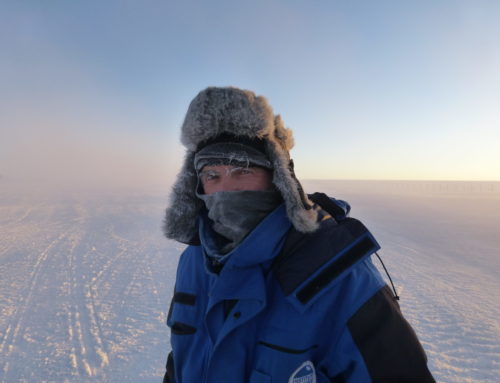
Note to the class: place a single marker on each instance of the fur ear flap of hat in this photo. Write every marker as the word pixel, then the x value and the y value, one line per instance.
pixel 240 113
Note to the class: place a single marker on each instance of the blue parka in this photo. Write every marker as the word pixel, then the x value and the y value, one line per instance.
pixel 290 307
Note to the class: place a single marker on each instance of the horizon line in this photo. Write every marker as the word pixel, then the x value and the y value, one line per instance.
pixel 393 180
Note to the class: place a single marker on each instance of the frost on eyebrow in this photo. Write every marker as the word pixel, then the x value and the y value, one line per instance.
pixel 236 169
pixel 212 174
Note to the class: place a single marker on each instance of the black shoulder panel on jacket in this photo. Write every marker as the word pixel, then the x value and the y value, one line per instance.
pixel 388 344
pixel 328 205
pixel 304 254
pixel 334 269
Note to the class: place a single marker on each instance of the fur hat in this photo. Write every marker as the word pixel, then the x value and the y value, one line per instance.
pixel 239 116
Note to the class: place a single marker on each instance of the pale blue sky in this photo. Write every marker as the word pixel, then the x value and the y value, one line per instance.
pixel 96 91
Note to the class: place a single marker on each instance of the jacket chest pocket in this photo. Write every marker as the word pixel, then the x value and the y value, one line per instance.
pixel 280 354
pixel 287 366
pixel 293 370
pixel 259 377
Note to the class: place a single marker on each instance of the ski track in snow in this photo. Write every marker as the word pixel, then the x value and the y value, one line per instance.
pixel 84 289
pixel 86 282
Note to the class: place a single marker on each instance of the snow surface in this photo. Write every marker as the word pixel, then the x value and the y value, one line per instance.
pixel 86 279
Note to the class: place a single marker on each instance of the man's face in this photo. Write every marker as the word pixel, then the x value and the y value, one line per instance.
pixel 235 178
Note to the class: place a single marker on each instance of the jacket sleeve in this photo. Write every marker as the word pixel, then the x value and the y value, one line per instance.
pixel 169 374
pixel 379 345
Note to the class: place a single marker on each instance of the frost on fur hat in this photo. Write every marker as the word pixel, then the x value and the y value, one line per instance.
pixel 233 115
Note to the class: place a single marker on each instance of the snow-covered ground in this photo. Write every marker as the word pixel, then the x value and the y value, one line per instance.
pixel 441 244
pixel 85 284
pixel 86 279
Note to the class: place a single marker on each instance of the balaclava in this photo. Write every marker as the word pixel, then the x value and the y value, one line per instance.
pixel 228 116
pixel 234 214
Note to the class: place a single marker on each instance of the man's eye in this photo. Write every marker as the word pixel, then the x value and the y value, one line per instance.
pixel 209 176
pixel 241 171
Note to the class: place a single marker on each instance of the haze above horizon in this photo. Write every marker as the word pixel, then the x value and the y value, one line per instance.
pixel 94 93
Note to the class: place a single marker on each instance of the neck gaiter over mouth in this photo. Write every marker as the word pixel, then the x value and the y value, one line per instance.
pixel 234 214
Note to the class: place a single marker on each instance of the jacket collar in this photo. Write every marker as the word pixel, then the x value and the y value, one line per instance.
pixel 261 245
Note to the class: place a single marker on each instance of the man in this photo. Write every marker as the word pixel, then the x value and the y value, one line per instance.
pixel 273 287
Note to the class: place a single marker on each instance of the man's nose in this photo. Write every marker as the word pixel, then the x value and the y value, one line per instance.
pixel 229 184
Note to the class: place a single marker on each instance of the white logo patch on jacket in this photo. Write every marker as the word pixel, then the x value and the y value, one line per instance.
pixel 304 374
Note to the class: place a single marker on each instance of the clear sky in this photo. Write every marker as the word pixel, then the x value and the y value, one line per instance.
pixel 94 92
